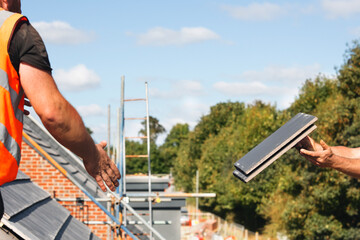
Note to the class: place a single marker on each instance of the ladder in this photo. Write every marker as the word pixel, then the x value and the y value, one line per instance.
pixel 121 147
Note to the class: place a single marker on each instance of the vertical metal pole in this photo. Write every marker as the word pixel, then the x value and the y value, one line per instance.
pixel 197 199
pixel 118 160
pixel 149 161
pixel 122 146
pixel 109 132
pixel 118 150
pixel 122 136
pixel 108 153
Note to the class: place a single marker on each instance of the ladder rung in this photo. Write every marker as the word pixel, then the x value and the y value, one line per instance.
pixel 135 156
pixel 134 99
pixel 134 118
pixel 136 137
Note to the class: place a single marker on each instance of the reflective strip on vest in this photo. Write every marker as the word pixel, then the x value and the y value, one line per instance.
pixel 10 143
pixel 11 103
pixel 15 98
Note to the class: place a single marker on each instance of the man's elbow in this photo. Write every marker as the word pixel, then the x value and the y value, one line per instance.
pixel 54 121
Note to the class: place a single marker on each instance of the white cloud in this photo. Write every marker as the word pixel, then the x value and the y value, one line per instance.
pixel 256 11
pixel 159 36
pixel 91 110
pixel 62 33
pixel 341 8
pixel 100 132
pixel 77 78
pixel 355 31
pixel 283 96
pixel 179 89
pixel 285 75
pixel 272 84
pixel 189 110
pixel 247 88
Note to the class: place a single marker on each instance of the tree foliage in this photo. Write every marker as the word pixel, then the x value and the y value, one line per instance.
pixel 291 196
pixel 155 128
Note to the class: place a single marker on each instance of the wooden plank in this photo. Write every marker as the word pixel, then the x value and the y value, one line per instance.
pixel 135 118
pixel 135 137
pixel 134 99
pixel 135 156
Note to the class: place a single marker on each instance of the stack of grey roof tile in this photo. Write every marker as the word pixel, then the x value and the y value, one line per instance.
pixel 274 146
pixel 31 214
pixel 69 161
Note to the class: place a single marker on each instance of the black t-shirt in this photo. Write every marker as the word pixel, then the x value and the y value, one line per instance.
pixel 27 46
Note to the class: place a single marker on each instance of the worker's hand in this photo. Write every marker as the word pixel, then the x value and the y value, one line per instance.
pixel 320 157
pixel 309 144
pixel 103 169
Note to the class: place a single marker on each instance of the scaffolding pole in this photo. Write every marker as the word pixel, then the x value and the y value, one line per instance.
pixel 149 159
pixel 76 183
pixel 109 232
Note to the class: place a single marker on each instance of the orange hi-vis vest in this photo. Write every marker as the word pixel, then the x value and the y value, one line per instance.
pixel 11 101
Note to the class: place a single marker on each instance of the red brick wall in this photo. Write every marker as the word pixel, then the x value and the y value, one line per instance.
pixel 51 180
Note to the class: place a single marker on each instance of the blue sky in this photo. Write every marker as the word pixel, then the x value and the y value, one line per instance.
pixel 193 54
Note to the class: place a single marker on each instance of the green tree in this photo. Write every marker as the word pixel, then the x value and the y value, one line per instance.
pixel 320 203
pixel 140 164
pixel 155 128
pixel 291 196
pixel 170 148
pixel 185 164
pixel 136 165
pixel 349 73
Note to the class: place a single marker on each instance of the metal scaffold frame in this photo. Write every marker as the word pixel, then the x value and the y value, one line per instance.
pixel 117 203
pixel 121 161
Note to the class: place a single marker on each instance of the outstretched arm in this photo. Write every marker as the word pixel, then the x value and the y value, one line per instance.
pixel 65 124
pixel 343 159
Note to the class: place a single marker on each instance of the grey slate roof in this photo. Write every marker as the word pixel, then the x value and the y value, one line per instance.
pixel 32 214
pixel 69 161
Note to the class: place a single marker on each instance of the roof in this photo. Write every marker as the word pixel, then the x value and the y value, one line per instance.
pixel 140 183
pixel 66 159
pixel 31 213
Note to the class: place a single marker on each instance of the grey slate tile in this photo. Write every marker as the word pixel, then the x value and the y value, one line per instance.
pixel 20 195
pixel 74 229
pixel 21 176
pixel 70 163
pixel 42 220
pixel 32 214
pixel 274 146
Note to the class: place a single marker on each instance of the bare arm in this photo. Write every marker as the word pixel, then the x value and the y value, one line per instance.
pixel 343 159
pixel 65 124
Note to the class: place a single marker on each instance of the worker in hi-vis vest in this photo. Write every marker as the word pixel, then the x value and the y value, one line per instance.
pixel 25 71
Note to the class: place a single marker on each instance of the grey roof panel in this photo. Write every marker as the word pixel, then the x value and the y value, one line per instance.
pixel 22 176
pixel 19 200
pixel 82 178
pixel 274 146
pixel 173 204
pixel 140 183
pixel 43 220
pixel 71 163
pixel 33 215
pixel 73 226
pixel 43 144
pixel 74 229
